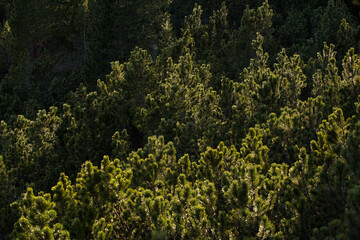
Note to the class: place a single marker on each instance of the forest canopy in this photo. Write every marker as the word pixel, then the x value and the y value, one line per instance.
pixel 179 119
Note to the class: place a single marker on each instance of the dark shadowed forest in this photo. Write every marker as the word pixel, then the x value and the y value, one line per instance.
pixel 124 119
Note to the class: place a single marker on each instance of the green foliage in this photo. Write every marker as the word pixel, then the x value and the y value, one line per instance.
pixel 29 149
pixel 352 213
pixel 183 106
pixel 179 120
pixel 37 218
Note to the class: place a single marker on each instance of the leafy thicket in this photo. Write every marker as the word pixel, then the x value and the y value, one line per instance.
pixel 179 120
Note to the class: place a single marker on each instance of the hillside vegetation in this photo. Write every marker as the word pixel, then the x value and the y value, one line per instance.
pixel 179 119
